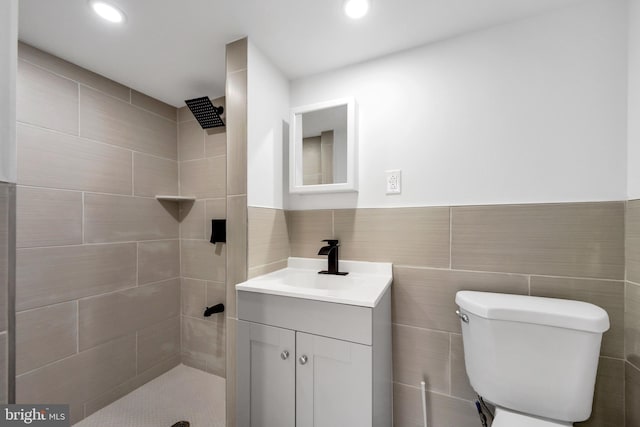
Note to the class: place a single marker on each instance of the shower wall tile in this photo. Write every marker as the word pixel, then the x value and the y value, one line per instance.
pixel 203 344
pixel 158 342
pixel 632 234
pixel 3 365
pixel 236 248
pixel 194 297
pixel 231 372
pixel 236 54
pixel 632 395
pixel 214 209
pixel 608 400
pixel 44 335
pixel 190 141
pixel 72 71
pixel 155 106
pixel 46 100
pixel 403 236
pixel 51 275
pixel 48 217
pixel 55 160
pixel 113 121
pixel 158 260
pixel 216 294
pixel 105 317
pixel 153 176
pixel 192 220
pixel 119 219
pixel 203 260
pixel 237 132
pixel 606 294
pixel 425 297
pixel 421 354
pixel 184 114
pixel 571 239
pixel 215 144
pixel 102 368
pixel 268 237
pixel 203 178
pixel 306 231
pixel 632 323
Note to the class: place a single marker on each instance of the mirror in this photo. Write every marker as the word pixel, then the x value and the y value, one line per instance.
pixel 323 148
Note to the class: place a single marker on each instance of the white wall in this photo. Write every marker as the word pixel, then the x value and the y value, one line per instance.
pixel 268 110
pixel 633 159
pixel 532 111
pixel 8 60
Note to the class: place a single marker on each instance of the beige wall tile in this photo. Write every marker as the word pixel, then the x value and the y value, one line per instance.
pixel 237 55
pixel 118 218
pixel 159 260
pixel 203 341
pixel 190 141
pixel 51 275
pixel 44 99
pixel 214 209
pixel 236 248
pixel 608 399
pixel 45 335
pixel 268 236
pixel 267 268
pixel 49 159
pixel 203 179
pixel 203 260
pixel 105 317
pixel 192 220
pixel 306 231
pixel 231 374
pixel 102 368
pixel 237 133
pixel 153 176
pixel 72 71
pixel 3 367
pixel 403 236
pixel 194 297
pixel 216 294
pixel 632 234
pixel 215 144
pixel 460 386
pixel 443 410
pixel 5 206
pixel 184 114
pixel 155 106
pixel 572 239
pixel 158 342
pixel 632 395
pixel 421 355
pixel 606 294
pixel 426 297
pixel 48 217
pixel 632 323
pixel 110 120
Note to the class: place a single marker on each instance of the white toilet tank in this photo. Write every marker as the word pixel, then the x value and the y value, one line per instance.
pixel 534 355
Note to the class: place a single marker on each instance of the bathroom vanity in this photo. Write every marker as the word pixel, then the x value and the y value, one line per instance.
pixel 314 350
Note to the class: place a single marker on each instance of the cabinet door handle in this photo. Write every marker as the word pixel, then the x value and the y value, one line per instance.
pixel 284 355
pixel 303 360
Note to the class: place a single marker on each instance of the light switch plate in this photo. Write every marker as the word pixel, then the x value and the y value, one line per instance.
pixel 394 181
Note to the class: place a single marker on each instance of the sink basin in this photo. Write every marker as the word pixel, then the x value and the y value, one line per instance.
pixel 364 286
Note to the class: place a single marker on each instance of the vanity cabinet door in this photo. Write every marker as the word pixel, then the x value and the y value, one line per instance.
pixel 266 376
pixel 333 382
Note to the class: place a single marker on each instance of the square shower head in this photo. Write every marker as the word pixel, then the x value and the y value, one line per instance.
pixel 205 112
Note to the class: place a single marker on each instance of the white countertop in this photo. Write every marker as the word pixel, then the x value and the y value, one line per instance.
pixel 365 284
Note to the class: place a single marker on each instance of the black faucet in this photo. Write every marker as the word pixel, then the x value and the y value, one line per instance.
pixel 332 251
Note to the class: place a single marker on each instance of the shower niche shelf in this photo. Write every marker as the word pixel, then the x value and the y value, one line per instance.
pixel 169 198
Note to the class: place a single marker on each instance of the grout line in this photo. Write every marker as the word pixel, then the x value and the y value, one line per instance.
pixel 99 244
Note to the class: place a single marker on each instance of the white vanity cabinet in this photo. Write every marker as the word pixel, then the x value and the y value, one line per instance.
pixel 308 363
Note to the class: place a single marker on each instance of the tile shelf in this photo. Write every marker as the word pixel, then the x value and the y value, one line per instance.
pixel 170 198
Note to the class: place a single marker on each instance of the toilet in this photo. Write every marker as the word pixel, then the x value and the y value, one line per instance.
pixel 534 358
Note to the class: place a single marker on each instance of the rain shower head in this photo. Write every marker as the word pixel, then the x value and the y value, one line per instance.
pixel 205 112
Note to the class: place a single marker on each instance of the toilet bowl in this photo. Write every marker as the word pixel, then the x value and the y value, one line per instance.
pixel 534 358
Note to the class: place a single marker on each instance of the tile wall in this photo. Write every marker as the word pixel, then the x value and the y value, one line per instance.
pixel 98 272
pixel 573 250
pixel 7 203
pixel 202 164
pixel 632 315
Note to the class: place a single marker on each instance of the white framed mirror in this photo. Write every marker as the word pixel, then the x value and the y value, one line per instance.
pixel 323 147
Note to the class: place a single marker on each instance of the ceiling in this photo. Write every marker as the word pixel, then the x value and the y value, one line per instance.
pixel 174 50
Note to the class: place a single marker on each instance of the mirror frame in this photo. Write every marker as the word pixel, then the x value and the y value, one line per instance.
pixel 295 150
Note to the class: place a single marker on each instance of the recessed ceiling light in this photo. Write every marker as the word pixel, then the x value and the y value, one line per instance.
pixel 356 9
pixel 107 11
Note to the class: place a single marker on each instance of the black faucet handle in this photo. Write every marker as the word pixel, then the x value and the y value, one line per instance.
pixel 332 242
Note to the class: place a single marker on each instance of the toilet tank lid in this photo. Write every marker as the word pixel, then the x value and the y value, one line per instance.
pixel 556 312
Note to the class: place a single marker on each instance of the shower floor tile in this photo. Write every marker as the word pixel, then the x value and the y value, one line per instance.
pixel 182 393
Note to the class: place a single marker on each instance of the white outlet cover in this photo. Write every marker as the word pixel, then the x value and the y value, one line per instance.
pixel 394 181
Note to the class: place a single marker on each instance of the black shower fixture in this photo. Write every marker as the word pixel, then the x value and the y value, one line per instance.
pixel 205 112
